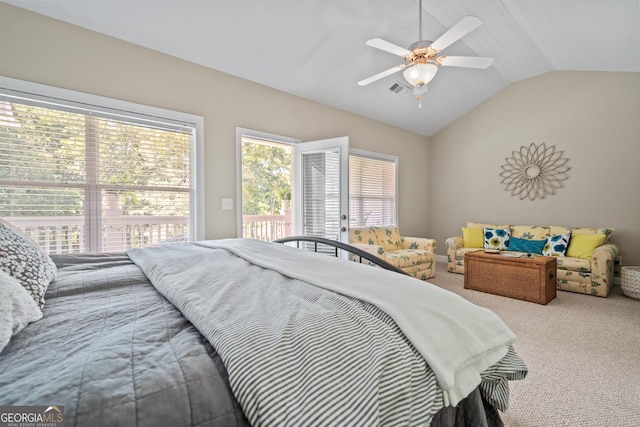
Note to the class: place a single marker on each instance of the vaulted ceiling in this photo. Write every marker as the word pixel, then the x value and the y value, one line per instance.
pixel 316 48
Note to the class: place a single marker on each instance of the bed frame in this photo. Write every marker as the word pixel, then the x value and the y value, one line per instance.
pixel 337 246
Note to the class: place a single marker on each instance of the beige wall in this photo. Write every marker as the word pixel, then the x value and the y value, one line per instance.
pixel 43 50
pixel 594 117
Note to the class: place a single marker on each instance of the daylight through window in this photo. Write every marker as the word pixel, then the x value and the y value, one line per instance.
pixel 79 180
pixel 372 190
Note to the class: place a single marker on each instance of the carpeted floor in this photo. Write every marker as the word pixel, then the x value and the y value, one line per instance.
pixel 583 355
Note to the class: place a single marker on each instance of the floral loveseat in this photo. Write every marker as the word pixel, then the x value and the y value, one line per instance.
pixel 586 267
pixel 413 255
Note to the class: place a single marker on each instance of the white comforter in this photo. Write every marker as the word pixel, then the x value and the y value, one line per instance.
pixel 458 339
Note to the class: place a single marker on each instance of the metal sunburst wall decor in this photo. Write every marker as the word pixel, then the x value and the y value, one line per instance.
pixel 534 171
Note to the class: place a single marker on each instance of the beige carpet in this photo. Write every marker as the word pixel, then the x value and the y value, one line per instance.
pixel 583 355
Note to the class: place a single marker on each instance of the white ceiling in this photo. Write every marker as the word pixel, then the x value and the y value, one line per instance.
pixel 316 48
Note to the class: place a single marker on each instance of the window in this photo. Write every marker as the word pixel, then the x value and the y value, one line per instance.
pixel 80 177
pixel 265 184
pixel 372 189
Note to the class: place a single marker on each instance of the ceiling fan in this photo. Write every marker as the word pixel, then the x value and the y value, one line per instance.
pixel 421 58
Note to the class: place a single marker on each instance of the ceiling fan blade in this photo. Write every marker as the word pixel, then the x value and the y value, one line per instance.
pixel 387 47
pixel 461 29
pixel 465 61
pixel 382 74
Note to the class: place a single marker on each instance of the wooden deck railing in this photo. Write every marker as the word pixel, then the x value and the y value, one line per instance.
pixel 67 234
pixel 265 227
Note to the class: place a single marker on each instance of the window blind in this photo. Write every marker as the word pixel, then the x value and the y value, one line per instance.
pixel 372 191
pixel 321 194
pixel 81 179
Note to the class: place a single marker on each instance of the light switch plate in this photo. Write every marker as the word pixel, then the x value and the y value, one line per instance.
pixel 227 204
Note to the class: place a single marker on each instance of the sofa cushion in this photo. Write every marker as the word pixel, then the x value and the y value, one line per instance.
pixel 408 257
pixel 420 271
pixel 388 237
pixel 363 235
pixel 473 237
pixel 577 276
pixel 531 232
pixel 556 245
pixel 461 251
pixel 526 245
pixel 574 264
pixel 582 230
pixel 496 238
pixel 481 225
pixel 582 245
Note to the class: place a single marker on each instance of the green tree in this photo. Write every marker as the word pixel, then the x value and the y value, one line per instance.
pixel 266 178
pixel 43 145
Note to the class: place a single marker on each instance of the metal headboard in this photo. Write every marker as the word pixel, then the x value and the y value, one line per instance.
pixel 340 246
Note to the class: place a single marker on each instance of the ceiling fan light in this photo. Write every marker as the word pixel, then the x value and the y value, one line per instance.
pixel 420 74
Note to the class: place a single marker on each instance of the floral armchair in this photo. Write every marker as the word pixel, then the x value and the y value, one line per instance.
pixel 414 255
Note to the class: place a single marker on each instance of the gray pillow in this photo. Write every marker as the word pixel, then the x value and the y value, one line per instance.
pixel 17 308
pixel 22 259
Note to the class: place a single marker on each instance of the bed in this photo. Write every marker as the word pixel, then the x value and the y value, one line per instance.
pixel 240 332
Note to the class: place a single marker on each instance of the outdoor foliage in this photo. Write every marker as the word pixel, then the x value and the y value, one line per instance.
pixel 266 178
pixel 41 148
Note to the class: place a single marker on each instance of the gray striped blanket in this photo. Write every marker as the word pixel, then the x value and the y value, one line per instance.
pixel 298 354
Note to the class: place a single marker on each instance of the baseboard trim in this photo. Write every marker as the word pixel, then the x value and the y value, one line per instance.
pixel 441 258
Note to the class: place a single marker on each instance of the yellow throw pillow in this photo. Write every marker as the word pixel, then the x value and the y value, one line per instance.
pixel 581 245
pixel 472 237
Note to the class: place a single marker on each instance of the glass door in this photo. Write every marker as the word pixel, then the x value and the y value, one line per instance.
pixel 321 190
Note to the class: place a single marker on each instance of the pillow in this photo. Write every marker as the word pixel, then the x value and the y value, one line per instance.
pixel 582 245
pixel 582 230
pixel 526 245
pixel 531 232
pixel 388 237
pixel 472 237
pixel 364 235
pixel 496 238
pixel 17 308
pixel 557 245
pixel 22 259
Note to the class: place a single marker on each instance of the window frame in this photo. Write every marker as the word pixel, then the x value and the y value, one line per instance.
pixel 134 112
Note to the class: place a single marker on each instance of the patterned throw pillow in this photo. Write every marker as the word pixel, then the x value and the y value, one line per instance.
pixel 497 238
pixel 17 308
pixel 23 260
pixel 556 245
pixel 526 245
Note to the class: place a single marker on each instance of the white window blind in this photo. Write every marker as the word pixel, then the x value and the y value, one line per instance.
pixel 372 190
pixel 82 179
pixel 321 194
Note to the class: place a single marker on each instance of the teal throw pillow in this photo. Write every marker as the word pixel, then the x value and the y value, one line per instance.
pixel 556 245
pixel 525 245
pixel 497 238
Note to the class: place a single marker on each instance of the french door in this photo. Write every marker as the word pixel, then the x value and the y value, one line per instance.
pixel 321 189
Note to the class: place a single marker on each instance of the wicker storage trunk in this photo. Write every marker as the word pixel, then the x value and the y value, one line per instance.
pixel 527 278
